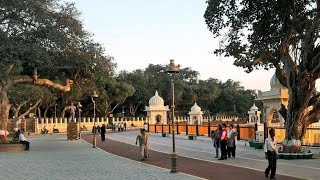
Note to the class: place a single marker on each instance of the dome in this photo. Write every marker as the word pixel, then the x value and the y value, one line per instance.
pixel 195 108
pixel 156 100
pixel 274 82
pixel 254 108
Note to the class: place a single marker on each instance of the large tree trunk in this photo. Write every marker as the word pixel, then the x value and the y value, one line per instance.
pixel 300 94
pixel 4 109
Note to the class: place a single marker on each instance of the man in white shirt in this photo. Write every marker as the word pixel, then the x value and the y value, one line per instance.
pixel 23 140
pixel 145 126
pixel 270 149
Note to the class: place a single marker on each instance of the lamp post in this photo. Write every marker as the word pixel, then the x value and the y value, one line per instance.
pixel 173 69
pixel 93 97
pixel 79 106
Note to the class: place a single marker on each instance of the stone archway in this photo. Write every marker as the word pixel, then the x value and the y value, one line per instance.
pixel 273 116
pixel 158 119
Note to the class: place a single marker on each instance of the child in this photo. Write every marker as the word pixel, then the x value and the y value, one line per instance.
pixel 143 139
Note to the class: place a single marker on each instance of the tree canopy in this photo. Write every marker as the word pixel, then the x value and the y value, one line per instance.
pixel 280 34
pixel 43 42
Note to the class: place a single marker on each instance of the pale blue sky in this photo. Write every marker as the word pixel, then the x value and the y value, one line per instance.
pixel 142 32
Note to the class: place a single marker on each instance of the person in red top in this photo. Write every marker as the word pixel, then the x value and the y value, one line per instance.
pixel 223 142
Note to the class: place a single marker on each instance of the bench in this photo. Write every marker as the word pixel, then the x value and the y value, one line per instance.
pixel 11 147
pixel 192 137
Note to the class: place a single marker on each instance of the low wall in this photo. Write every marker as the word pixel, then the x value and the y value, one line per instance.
pixel 34 126
pixel 311 138
pixel 245 132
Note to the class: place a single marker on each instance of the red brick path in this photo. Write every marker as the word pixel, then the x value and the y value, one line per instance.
pixel 203 169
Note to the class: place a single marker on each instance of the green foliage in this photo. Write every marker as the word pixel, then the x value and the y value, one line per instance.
pixel 254 31
pixel 213 96
pixel 280 34
pixel 47 37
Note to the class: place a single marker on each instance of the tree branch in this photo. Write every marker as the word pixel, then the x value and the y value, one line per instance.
pixel 283 112
pixel 27 112
pixel 45 82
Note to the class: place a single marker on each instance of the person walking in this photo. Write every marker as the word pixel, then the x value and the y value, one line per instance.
pixel 119 127
pixel 270 149
pixel 223 142
pixel 98 128
pixel 103 132
pixel 145 126
pixel 125 126
pixel 231 148
pixel 143 139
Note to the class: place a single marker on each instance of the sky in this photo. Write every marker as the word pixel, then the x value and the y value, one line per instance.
pixel 142 32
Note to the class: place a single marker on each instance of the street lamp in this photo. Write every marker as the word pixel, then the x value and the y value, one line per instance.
pixel 93 97
pixel 79 106
pixel 173 69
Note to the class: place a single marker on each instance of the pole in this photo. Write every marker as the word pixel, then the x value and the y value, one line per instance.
pixel 55 111
pixel 79 125
pixel 173 155
pixel 94 143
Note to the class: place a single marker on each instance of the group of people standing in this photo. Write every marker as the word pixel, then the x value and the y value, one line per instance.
pixel 224 140
pixel 120 126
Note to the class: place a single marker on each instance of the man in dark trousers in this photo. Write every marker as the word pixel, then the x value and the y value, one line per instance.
pixel 223 141
pixel 103 132
pixel 23 140
pixel 270 150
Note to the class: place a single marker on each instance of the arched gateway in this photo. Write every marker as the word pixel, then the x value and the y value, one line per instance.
pixel 156 111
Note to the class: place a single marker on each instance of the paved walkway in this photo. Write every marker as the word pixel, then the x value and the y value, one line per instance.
pixel 53 157
pixel 197 167
pixel 247 158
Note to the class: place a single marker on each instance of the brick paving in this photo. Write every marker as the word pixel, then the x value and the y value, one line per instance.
pixel 200 168
pixel 53 157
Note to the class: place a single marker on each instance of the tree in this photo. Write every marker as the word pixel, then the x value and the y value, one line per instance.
pixel 43 40
pixel 280 34
pixel 141 95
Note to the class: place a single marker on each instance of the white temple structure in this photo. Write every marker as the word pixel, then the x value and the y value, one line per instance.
pixel 254 115
pixel 195 115
pixel 272 101
pixel 156 111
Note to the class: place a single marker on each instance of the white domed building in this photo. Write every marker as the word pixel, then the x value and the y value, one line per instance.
pixel 195 115
pixel 157 111
pixel 254 115
pixel 272 101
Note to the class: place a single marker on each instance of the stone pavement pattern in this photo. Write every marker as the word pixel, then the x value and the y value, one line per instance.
pixel 247 157
pixel 196 167
pixel 53 157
